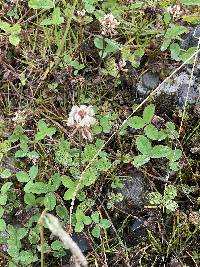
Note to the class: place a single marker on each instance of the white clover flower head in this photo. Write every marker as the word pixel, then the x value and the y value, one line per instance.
pixel 176 11
pixel 109 23
pixel 121 66
pixel 20 116
pixel 82 118
pixel 81 13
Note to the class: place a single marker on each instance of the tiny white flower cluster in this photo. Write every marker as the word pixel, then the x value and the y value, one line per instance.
pixel 82 118
pixel 20 116
pixel 81 13
pixel 109 24
pixel 176 11
pixel 121 66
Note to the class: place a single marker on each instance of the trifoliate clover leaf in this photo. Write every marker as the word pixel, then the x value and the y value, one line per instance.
pixel 44 130
pixel 105 224
pixel 96 231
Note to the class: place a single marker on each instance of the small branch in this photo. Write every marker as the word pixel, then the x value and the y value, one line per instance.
pixel 54 226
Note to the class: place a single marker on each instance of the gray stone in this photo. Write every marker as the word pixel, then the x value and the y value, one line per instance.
pixel 182 94
pixel 150 80
pixel 179 86
pixel 134 190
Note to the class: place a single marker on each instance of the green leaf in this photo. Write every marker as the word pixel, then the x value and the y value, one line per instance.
pixel 175 51
pixel 57 245
pixel 106 124
pixel 3 199
pixel 90 176
pixel 2 225
pixel 162 135
pixel 89 152
pixel 173 165
pixel 79 227
pixel 95 217
pixel 1 211
pixel 111 46
pixel 187 54
pixel 105 224
pixel 15 29
pixel 170 192
pixel 33 172
pixel 13 250
pixel 155 198
pixel 170 130
pixel 20 153
pixel 14 39
pixel 21 233
pixel 191 2
pixel 143 145
pixel 148 113
pixel 67 181
pixel 56 16
pixel 27 257
pixel 174 155
pixel 36 188
pixel 44 130
pixel 5 26
pixel 22 177
pixel 50 201
pixel 102 164
pixel 174 31
pixel 33 155
pixel 39 4
pixel 29 199
pixel 87 220
pixel 96 231
pixel 69 193
pixel 151 132
pixel 160 151
pixel 167 18
pixel 5 187
pixel 62 212
pixel 5 174
pixel 140 160
pixel 136 122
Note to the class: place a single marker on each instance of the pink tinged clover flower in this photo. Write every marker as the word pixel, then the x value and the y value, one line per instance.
pixel 81 119
pixel 108 24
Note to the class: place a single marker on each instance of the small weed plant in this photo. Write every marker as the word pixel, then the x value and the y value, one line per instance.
pixel 43 191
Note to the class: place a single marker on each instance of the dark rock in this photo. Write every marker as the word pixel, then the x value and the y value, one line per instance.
pixel 191 38
pixel 134 191
pixel 150 80
pixel 82 242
